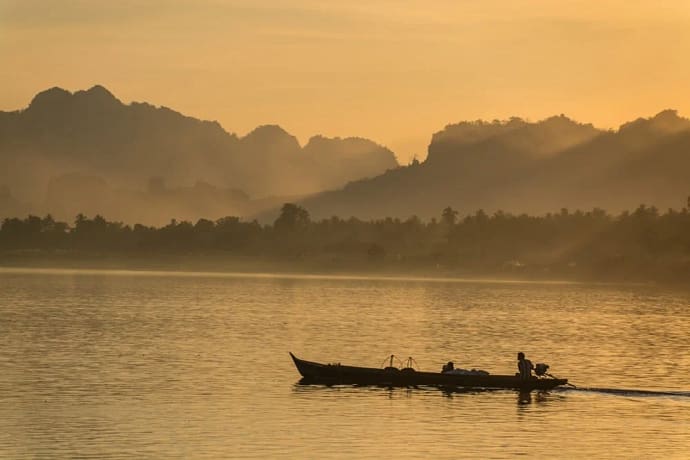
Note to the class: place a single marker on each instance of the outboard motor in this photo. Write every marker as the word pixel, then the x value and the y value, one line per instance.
pixel 541 369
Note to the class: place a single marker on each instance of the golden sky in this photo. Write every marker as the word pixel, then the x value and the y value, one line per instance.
pixel 394 71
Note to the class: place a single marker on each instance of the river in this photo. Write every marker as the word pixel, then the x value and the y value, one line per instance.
pixel 125 364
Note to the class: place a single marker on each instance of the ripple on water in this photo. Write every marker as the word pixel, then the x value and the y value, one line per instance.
pixel 122 365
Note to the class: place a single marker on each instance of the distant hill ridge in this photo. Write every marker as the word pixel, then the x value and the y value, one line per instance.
pixel 533 167
pixel 88 152
pixel 92 133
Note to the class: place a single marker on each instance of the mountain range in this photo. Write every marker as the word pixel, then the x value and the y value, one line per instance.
pixel 523 167
pixel 88 152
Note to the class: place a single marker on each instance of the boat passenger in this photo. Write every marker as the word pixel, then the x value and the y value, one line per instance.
pixel 525 366
pixel 448 367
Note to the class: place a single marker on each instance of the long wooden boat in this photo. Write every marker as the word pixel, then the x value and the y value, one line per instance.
pixel 337 374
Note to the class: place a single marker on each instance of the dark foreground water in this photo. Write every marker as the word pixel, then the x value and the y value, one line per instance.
pixel 163 365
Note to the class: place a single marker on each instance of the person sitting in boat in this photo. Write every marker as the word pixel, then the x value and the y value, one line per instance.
pixel 448 367
pixel 525 366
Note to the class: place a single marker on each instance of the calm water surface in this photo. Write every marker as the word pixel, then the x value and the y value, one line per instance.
pixel 165 365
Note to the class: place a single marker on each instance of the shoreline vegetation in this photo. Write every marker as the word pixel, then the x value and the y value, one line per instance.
pixel 640 246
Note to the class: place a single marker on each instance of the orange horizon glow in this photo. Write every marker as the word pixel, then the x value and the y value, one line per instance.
pixel 394 71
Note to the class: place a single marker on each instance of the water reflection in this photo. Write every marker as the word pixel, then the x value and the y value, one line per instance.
pixel 527 397
pixel 110 366
pixel 524 397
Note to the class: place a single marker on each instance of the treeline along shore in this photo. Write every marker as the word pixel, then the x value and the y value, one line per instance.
pixel 639 245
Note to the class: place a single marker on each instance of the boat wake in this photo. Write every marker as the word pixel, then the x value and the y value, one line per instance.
pixel 629 392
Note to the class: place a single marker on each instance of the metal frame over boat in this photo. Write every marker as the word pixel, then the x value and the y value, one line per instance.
pixel 337 374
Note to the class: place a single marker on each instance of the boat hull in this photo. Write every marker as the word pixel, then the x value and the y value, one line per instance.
pixel 337 374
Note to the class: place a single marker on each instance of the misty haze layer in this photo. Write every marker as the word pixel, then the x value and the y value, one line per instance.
pixel 88 152
pixel 535 168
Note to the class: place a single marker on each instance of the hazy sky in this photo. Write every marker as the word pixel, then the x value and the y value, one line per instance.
pixel 394 71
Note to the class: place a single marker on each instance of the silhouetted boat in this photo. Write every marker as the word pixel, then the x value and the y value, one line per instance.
pixel 335 374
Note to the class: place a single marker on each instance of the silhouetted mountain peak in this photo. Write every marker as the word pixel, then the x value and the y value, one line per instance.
pixel 470 132
pixel 53 97
pixel 352 146
pixel 96 99
pixel 665 122
pixel 334 150
pixel 669 121
pixel 267 132
pixel 98 94
pixel 56 100
pixel 668 114
pixel 509 138
pixel 563 121
pixel 271 137
pixel 320 139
